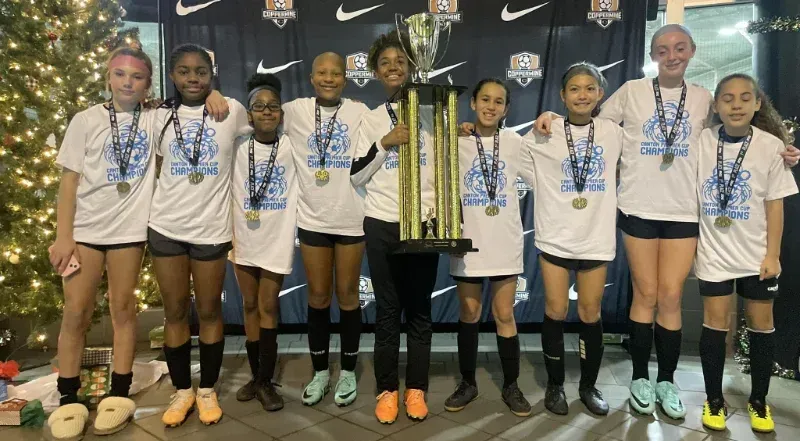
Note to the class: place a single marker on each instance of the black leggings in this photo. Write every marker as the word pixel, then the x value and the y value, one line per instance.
pixel 402 283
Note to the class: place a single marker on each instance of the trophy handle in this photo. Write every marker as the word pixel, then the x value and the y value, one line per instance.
pixel 446 44
pixel 398 18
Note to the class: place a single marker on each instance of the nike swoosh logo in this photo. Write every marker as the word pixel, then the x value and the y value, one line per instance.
pixel 639 402
pixel 573 294
pixel 344 16
pixel 288 290
pixel 347 395
pixel 186 10
pixel 521 126
pixel 438 72
pixel 511 16
pixel 442 291
pixel 273 70
pixel 527 232
pixel 609 66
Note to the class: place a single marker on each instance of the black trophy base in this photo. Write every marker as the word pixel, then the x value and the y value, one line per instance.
pixel 444 246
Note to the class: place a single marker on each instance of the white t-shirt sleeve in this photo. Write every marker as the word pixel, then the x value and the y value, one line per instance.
pixel 239 113
pixel 781 180
pixel 614 107
pixel 73 149
pixel 526 169
pixel 369 154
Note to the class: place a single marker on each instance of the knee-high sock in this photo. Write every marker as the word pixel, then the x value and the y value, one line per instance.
pixel 712 358
pixel 350 322
pixel 591 352
pixel 468 351
pixel 762 351
pixel 668 350
pixel 319 336
pixel 640 345
pixel 553 350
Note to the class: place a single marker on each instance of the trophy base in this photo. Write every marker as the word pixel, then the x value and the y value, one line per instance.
pixel 429 92
pixel 445 246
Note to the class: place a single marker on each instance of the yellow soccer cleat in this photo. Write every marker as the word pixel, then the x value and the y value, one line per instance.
pixel 760 417
pixel 714 414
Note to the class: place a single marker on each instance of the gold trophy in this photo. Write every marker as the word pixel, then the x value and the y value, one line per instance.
pixel 424 31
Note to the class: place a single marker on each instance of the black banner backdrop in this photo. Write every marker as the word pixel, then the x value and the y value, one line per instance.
pixel 529 43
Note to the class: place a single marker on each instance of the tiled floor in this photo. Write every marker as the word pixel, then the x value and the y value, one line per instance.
pixel 485 419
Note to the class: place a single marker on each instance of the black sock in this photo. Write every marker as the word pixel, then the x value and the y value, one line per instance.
pixel 668 350
pixel 350 322
pixel 553 350
pixel 591 352
pixel 508 350
pixel 640 344
pixel 268 354
pixel 252 356
pixel 120 384
pixel 210 362
pixel 319 337
pixel 468 351
pixel 178 362
pixel 762 351
pixel 712 358
pixel 68 388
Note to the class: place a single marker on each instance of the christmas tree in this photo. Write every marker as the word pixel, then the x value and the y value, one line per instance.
pixel 52 66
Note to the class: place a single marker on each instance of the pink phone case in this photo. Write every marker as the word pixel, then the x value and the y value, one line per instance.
pixel 71 267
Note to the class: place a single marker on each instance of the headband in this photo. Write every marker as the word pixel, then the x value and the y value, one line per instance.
pixel 128 60
pixel 252 94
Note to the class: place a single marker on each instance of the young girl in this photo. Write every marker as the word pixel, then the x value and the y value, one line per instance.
pixel 403 283
pixel 741 183
pixel 329 220
pixel 190 227
pixel 264 213
pixel 108 174
pixel 575 214
pixel 490 161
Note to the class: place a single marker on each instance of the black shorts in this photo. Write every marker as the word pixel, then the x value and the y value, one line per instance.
pixel 116 246
pixel 327 240
pixel 656 229
pixel 747 287
pixel 572 264
pixel 479 280
pixel 163 246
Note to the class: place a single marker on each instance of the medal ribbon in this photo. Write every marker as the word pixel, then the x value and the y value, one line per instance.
pixel 323 147
pixel 123 157
pixel 725 191
pixel 579 176
pixel 198 138
pixel 256 195
pixel 662 116
pixel 390 111
pixel 489 176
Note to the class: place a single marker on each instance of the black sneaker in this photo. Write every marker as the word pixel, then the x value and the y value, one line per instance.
pixel 270 398
pixel 464 394
pixel 593 400
pixel 247 392
pixel 515 401
pixel 555 400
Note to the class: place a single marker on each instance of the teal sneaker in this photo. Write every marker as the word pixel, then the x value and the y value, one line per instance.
pixel 667 397
pixel 317 388
pixel 345 388
pixel 643 397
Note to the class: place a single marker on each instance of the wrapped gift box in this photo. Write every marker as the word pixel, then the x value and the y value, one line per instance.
pixel 95 385
pixel 96 356
pixel 157 337
pixel 10 412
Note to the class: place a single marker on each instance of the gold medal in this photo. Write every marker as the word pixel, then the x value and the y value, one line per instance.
pixel 322 175
pixel 492 210
pixel 252 215
pixel 579 203
pixel 196 177
pixel 123 187
pixel 668 158
pixel 723 221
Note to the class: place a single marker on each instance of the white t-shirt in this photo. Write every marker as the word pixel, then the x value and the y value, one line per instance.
pixel 333 207
pixel 269 242
pixel 197 213
pixel 103 215
pixel 498 238
pixel 738 251
pixel 649 189
pixel 561 230
pixel 379 176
